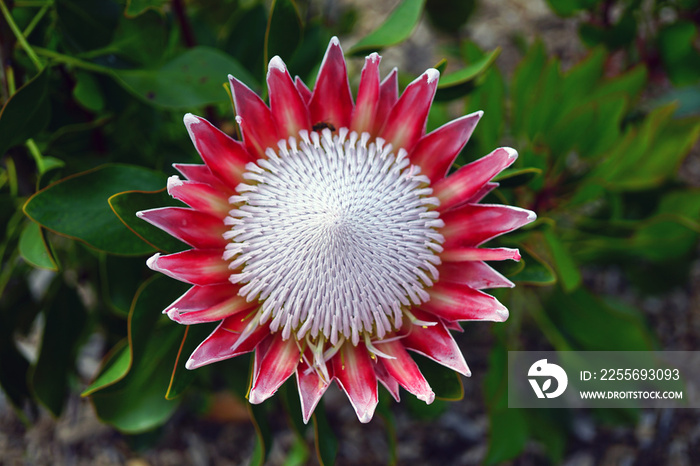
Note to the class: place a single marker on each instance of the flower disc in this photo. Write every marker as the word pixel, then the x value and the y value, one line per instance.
pixel 334 236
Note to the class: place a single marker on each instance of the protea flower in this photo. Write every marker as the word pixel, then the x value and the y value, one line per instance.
pixel 330 240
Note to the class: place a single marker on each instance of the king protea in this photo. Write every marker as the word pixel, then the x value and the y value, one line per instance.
pixel 330 240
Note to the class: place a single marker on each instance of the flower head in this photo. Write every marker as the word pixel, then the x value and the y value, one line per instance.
pixel 330 240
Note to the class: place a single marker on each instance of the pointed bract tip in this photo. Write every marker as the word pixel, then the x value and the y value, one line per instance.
pixel 139 214
pixel 191 364
pixel 334 41
pixel 151 263
pixel 502 313
pixel 173 182
pixel 432 74
pixel 365 417
pixel 190 119
pixel 276 63
pixel 254 397
pixel 512 153
pixel 531 216
pixel 374 57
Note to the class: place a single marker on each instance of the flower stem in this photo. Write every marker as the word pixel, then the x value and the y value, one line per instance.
pixel 68 60
pixel 20 38
pixel 36 154
pixel 35 20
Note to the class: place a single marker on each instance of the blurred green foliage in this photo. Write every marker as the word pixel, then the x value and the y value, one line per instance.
pixel 93 94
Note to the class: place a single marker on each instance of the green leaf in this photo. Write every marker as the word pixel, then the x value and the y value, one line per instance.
pixel 535 271
pixel 459 83
pixel 182 377
pixel 489 96
pixel 567 271
pixel 326 441
pixel 136 401
pixel 121 277
pixel 384 410
pixel 450 15
pixel 292 405
pixel 14 372
pixel 396 28
pixel 87 92
pixel 514 177
pixel 263 437
pixel 446 383
pixel 565 8
pixel 630 84
pixel 77 207
pixel 508 435
pixel 594 324
pixel 34 249
pixel 284 30
pixel 647 156
pixel 87 24
pixel 115 366
pixel 126 204
pixel 65 320
pixel 193 79
pixel 25 113
pixel 679 52
pixel 524 82
pixel 136 7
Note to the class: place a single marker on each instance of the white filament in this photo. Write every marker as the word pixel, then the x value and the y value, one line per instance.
pixel 334 236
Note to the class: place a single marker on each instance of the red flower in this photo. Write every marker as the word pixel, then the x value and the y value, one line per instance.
pixel 330 241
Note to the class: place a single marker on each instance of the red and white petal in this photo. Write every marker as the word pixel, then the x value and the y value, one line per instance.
pixel 461 186
pixel 406 122
pixel 436 343
pixel 257 125
pixel 462 254
pixel 278 364
pixel 199 174
pixel 388 381
pixel 475 274
pixel 203 231
pixel 225 157
pixel 485 189
pixel 388 95
pixel 353 369
pixel 209 303
pixel 453 301
pixel 223 342
pixel 195 266
pixel 331 101
pixel 367 96
pixel 304 91
pixel 288 109
pixel 474 224
pixel 405 370
pixel 311 389
pixel 199 196
pixel 436 152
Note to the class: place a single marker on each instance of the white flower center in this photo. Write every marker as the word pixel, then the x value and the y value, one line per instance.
pixel 334 236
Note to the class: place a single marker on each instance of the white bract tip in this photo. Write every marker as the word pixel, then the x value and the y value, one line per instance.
pixel 152 261
pixel 512 153
pixel 334 41
pixel 276 63
pixel 190 119
pixel 433 75
pixel 173 182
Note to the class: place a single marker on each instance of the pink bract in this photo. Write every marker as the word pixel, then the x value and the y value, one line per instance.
pixel 331 241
